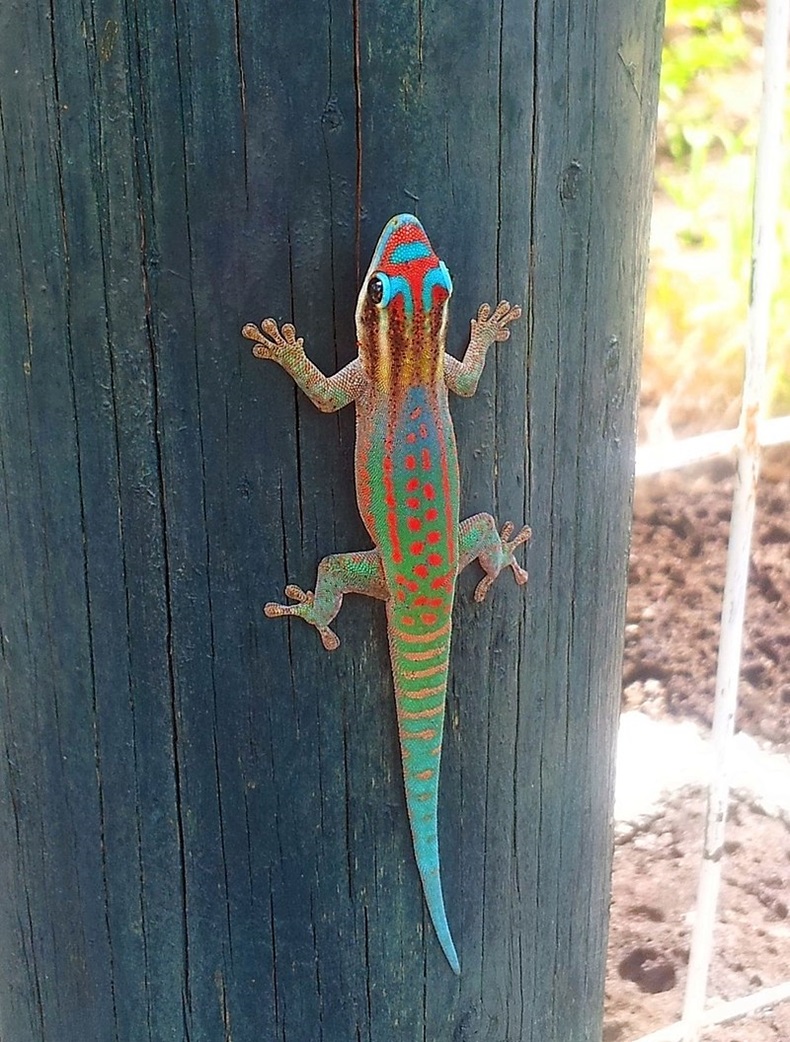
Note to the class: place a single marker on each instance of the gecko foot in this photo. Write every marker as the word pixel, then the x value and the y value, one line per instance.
pixel 489 327
pixel 493 564
pixel 271 343
pixel 303 609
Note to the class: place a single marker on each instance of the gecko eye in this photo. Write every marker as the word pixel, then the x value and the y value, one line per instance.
pixel 379 290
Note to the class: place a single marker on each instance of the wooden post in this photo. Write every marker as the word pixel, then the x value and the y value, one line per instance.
pixel 202 826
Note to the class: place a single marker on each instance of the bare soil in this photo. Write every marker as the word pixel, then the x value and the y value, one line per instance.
pixel 677 568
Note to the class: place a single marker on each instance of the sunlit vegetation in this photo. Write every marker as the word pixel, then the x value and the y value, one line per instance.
pixel 700 253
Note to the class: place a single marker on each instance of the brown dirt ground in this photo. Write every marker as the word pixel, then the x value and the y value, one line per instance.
pixel 681 523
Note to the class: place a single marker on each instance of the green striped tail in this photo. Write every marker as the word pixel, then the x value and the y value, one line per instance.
pixel 420 663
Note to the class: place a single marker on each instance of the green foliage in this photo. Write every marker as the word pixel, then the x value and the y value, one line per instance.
pixel 702 39
pixel 697 302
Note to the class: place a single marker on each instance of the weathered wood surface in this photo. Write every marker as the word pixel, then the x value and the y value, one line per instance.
pixel 202 826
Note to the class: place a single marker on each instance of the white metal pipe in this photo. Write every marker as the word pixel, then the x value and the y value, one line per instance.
pixel 774 432
pixel 655 459
pixel 725 1012
pixel 764 270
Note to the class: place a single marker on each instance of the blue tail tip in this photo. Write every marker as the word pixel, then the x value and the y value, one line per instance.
pixel 450 954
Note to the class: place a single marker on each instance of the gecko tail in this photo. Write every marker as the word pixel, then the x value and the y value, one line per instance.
pixel 427 856
pixel 420 675
pixel 432 888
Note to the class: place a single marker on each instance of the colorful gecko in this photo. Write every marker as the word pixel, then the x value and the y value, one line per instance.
pixel 408 496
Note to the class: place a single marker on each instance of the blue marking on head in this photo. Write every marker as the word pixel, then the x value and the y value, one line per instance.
pixel 399 284
pixel 392 225
pixel 409 251
pixel 438 276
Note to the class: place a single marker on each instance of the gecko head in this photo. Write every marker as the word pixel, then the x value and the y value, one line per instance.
pixel 401 313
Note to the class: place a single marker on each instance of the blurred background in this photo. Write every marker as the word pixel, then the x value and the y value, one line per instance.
pixel 695 336
pixel 698 281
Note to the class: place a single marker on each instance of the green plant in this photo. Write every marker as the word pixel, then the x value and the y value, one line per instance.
pixel 697 305
pixel 702 39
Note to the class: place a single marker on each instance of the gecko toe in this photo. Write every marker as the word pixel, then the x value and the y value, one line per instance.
pixel 329 638
pixel 520 574
pixel 483 587
pixel 296 593
pixel 523 536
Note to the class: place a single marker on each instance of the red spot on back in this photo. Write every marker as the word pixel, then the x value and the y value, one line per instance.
pixel 411 438
pixel 407 620
pixel 426 460
pixel 428 490
pixel 416 413
pixel 413 504
pixel 435 560
pixel 421 571
pixel 417 549
pixel 410 462
pixel 428 618
pixel 412 484
pixel 442 582
pixel 423 431
pixel 431 514
pixel 414 524
pixel 401 595
pixel 434 537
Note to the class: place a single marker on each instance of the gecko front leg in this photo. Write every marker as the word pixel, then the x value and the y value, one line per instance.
pixel 327 393
pixel 338 574
pixel 462 377
pixel 478 539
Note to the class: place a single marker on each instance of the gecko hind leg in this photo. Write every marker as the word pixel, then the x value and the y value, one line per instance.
pixel 480 540
pixel 338 574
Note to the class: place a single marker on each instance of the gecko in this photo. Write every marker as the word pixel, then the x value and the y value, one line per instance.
pixel 407 486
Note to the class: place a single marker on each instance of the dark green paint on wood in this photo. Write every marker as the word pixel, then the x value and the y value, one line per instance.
pixel 202 824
